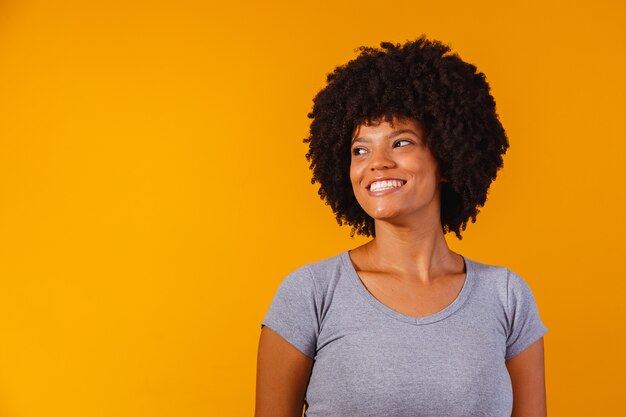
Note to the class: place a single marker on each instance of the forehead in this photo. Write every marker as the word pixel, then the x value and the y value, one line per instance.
pixel 381 127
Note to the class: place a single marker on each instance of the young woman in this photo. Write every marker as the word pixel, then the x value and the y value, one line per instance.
pixel 404 142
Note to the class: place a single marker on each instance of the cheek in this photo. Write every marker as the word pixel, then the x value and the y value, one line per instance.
pixel 426 168
pixel 354 177
pixel 355 181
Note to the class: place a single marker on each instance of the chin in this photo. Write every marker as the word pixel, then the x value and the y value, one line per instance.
pixel 402 217
pixel 383 214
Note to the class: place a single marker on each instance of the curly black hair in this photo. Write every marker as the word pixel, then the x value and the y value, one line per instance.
pixel 423 80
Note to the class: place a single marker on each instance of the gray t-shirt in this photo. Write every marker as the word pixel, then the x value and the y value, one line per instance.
pixel 370 360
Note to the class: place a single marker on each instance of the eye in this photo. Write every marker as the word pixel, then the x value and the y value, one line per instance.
pixel 358 151
pixel 401 143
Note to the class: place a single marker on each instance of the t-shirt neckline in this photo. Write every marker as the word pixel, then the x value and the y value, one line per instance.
pixel 431 318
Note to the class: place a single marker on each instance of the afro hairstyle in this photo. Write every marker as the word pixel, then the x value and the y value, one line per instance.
pixel 423 80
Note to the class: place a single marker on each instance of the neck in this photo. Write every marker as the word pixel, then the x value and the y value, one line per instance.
pixel 418 251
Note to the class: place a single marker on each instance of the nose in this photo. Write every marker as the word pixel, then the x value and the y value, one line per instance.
pixel 381 160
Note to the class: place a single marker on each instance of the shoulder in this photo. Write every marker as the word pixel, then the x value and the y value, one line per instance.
pixel 505 285
pixel 297 310
pixel 500 281
pixel 303 298
pixel 323 271
pixel 488 277
pixel 514 298
pixel 317 276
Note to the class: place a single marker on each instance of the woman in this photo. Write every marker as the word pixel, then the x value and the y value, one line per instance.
pixel 404 142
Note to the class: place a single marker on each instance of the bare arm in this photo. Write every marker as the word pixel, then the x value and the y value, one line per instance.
pixel 282 377
pixel 528 379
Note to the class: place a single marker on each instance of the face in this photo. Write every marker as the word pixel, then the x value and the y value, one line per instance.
pixel 393 172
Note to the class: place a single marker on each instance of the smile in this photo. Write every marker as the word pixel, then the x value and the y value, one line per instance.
pixel 385 185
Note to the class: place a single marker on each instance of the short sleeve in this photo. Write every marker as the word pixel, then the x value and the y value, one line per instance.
pixel 293 311
pixel 525 325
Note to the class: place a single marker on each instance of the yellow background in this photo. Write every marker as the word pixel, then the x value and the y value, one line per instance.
pixel 154 190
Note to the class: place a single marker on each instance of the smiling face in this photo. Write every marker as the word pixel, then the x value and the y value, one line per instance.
pixel 393 172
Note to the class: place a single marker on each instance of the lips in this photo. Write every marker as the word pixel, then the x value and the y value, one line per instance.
pixel 385 184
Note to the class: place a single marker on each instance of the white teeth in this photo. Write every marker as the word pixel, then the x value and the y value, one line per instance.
pixel 385 185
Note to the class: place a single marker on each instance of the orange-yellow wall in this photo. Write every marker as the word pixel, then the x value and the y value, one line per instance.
pixel 154 191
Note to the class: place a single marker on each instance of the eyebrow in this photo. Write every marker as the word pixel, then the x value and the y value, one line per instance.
pixel 390 135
